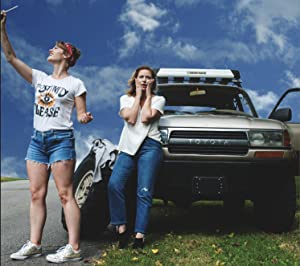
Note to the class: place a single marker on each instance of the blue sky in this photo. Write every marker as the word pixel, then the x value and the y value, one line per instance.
pixel 261 38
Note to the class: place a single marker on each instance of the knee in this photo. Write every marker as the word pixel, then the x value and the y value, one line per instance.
pixel 65 196
pixel 145 194
pixel 114 186
pixel 38 194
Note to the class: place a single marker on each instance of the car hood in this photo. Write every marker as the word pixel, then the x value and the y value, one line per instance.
pixel 219 121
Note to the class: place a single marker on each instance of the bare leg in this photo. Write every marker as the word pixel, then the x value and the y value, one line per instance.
pixel 121 228
pixel 38 175
pixel 139 235
pixel 63 172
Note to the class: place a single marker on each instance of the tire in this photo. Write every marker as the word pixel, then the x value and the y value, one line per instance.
pixel 275 211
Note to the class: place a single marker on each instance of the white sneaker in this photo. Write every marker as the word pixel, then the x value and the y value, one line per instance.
pixel 63 254
pixel 27 250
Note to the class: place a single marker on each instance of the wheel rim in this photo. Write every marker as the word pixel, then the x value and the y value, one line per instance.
pixel 83 188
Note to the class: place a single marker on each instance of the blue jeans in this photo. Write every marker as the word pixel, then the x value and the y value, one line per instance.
pixel 51 146
pixel 147 162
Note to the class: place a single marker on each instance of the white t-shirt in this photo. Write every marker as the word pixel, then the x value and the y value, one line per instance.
pixel 54 100
pixel 133 135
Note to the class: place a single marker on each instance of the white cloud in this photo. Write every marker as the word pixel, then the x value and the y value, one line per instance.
pixel 131 41
pixel 105 85
pixel 270 19
pixel 263 103
pixel 292 81
pixel 185 51
pixel 142 15
pixel 221 51
pixel 188 3
pixel 139 19
pixel 12 167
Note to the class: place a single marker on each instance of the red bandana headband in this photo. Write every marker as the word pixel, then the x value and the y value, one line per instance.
pixel 70 51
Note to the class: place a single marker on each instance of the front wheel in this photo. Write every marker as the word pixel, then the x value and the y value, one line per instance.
pixel 275 207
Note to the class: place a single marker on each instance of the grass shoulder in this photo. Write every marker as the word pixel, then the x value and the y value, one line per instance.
pixel 8 179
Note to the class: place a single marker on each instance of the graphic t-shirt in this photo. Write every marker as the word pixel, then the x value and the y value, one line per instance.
pixel 54 100
pixel 133 135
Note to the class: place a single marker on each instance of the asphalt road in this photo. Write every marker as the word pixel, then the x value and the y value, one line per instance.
pixel 15 199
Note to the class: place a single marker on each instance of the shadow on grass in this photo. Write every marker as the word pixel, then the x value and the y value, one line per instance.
pixel 201 217
pixel 206 219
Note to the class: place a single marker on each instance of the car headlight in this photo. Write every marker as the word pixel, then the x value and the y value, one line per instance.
pixel 272 139
pixel 164 136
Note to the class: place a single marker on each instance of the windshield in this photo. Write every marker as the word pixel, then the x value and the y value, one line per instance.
pixel 209 99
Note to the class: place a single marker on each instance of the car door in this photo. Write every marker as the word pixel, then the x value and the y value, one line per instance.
pixel 291 100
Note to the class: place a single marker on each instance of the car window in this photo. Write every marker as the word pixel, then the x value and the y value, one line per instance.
pixel 217 99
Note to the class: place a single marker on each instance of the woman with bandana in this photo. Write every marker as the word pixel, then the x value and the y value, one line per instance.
pixel 52 147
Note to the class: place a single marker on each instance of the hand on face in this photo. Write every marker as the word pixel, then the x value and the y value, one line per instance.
pixel 149 87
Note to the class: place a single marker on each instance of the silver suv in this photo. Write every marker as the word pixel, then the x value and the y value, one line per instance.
pixel 217 148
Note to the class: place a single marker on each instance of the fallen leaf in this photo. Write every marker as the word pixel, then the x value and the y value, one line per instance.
pixel 154 251
pixel 283 245
pixel 135 252
pixel 104 254
pixel 158 263
pixel 177 251
pixel 135 259
pixel 231 235
pixel 99 262
pixel 220 263
pixel 213 246
pixel 218 251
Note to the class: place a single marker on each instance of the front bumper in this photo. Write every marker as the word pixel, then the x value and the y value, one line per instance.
pixel 189 180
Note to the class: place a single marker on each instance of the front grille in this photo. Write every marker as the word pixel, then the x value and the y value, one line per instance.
pixel 209 134
pixel 208 142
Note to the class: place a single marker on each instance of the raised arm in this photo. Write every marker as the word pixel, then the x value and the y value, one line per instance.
pixel 131 114
pixel 149 114
pixel 24 70
pixel 82 115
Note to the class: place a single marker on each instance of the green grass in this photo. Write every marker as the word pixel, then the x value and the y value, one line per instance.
pixel 7 179
pixel 202 235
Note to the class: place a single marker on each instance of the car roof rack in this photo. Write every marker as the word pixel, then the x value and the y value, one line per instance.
pixel 195 76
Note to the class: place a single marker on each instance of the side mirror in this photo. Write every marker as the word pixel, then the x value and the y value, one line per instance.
pixel 282 114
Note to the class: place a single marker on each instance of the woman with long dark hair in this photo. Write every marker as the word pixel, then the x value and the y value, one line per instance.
pixel 140 150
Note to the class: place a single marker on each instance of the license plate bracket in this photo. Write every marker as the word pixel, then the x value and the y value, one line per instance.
pixel 208 186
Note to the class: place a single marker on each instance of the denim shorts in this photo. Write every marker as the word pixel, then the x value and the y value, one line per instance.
pixel 51 146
